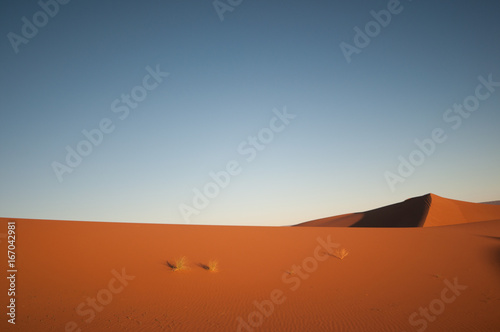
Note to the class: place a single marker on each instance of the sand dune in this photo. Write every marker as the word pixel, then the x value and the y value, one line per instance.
pixel 492 202
pixel 89 276
pixel 424 211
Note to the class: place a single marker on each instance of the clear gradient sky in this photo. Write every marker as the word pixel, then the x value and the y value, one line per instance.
pixel 227 80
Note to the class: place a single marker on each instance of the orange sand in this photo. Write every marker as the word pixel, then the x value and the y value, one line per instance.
pixel 389 274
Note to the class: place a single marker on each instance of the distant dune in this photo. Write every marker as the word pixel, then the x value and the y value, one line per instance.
pixel 492 203
pixel 423 211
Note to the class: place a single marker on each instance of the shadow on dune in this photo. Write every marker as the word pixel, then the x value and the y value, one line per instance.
pixel 496 257
pixel 491 237
pixel 410 213
pixel 494 253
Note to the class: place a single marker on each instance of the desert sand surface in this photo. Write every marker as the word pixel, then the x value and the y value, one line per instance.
pixel 90 276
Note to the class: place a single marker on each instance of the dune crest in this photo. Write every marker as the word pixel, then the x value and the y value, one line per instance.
pixel 424 211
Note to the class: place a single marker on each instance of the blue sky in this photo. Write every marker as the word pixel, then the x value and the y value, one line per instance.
pixel 349 122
